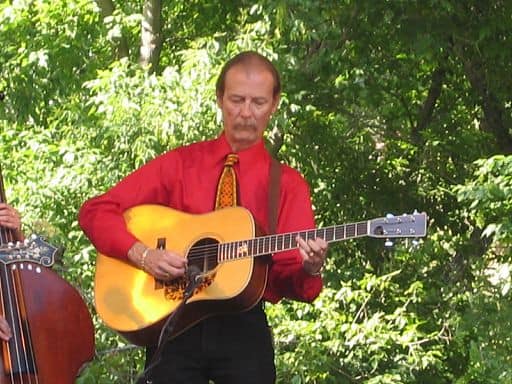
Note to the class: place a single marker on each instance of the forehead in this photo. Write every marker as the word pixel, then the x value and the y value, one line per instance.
pixel 252 78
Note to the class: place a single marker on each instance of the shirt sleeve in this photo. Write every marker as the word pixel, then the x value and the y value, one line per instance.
pixel 101 217
pixel 287 277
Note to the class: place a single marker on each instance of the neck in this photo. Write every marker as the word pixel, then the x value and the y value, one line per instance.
pixel 237 146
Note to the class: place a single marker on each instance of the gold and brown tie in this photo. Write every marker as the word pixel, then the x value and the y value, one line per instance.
pixel 226 189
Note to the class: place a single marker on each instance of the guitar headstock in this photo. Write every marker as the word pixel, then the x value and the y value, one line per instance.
pixel 406 225
pixel 34 249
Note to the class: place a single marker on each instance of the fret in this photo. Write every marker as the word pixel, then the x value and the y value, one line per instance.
pixel 229 249
pixel 253 250
pixel 287 241
pixel 282 242
pixel 279 243
pixel 361 229
pixel 351 230
pixel 332 236
pixel 219 253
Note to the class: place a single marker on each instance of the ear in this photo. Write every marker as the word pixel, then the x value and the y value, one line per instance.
pixel 275 104
pixel 219 100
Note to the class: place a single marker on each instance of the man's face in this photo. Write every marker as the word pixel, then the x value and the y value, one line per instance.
pixel 247 104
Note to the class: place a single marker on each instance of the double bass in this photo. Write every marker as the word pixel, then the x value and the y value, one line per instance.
pixel 52 331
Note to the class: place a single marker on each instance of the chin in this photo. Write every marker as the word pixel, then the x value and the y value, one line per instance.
pixel 244 141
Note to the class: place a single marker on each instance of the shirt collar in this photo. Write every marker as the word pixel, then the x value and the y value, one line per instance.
pixel 247 157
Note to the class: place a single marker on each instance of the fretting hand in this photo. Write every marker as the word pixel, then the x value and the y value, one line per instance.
pixel 10 218
pixel 313 254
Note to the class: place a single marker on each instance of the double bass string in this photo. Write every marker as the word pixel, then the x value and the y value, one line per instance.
pixel 19 360
pixel 6 235
pixel 19 348
pixel 27 358
pixel 6 355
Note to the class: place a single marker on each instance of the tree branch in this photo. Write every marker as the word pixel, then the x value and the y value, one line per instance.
pixel 107 9
pixel 494 111
pixel 427 111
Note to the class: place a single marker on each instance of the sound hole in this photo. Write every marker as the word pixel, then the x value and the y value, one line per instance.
pixel 203 255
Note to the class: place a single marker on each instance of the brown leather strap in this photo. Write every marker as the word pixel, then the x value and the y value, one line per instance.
pixel 273 195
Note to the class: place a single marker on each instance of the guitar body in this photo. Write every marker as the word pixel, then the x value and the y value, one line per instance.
pixel 137 305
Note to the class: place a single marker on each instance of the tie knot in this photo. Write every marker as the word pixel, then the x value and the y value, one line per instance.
pixel 231 159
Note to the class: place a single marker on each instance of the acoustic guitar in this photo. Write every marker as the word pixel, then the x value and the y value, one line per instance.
pixel 222 245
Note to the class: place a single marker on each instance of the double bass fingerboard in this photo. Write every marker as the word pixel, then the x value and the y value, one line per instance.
pixel 17 353
pixel 6 234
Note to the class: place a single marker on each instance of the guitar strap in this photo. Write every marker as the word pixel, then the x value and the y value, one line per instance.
pixel 273 195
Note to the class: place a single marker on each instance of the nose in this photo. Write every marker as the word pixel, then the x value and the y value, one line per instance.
pixel 245 110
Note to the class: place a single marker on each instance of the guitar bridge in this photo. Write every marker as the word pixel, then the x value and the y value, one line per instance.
pixel 174 290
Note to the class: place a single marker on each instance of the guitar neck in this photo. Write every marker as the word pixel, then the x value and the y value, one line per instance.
pixel 406 225
pixel 265 245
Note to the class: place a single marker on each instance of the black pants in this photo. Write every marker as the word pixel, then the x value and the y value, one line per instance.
pixel 227 349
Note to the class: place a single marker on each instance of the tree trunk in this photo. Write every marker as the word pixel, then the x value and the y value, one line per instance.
pixel 107 9
pixel 151 39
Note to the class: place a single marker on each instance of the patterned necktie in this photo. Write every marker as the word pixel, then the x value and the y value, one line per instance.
pixel 226 189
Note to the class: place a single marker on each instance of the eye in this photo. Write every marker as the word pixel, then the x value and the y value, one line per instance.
pixel 260 102
pixel 237 100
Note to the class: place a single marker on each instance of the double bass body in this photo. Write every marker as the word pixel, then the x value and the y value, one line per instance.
pixel 52 331
pixel 54 335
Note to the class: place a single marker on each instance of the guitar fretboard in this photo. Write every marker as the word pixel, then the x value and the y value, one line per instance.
pixel 265 245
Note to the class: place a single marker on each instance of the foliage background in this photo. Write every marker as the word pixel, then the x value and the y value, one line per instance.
pixel 388 106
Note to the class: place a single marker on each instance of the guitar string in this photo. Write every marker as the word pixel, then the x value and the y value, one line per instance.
pixel 212 251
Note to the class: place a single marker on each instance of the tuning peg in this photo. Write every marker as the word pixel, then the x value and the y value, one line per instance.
pixel 388 243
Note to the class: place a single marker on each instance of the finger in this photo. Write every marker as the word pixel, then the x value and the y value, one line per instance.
pixel 5 330
pixel 303 247
pixel 170 273
pixel 171 266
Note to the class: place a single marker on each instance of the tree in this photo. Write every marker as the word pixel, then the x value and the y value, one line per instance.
pixel 387 107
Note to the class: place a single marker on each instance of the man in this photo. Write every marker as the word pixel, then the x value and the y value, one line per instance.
pixel 10 219
pixel 234 348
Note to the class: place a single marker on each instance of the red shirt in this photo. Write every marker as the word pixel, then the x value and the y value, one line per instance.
pixel 186 179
